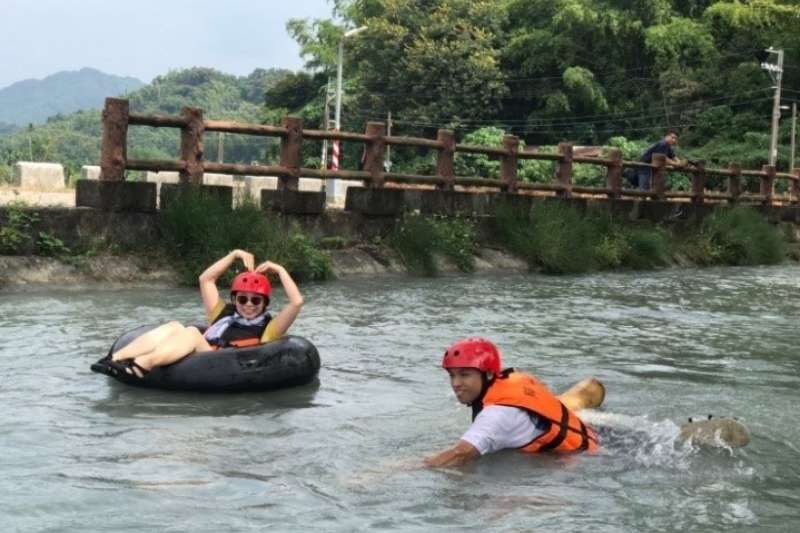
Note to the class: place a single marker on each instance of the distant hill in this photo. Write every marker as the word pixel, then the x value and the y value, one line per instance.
pixel 73 139
pixel 8 129
pixel 33 101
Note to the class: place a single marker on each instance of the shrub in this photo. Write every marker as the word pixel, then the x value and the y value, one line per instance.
pixel 418 238
pixel 611 251
pixel 736 236
pixel 563 241
pixel 457 240
pixel 647 247
pixel 553 238
pixel 558 239
pixel 414 240
pixel 512 227
pixel 197 229
pixel 15 236
pixel 50 245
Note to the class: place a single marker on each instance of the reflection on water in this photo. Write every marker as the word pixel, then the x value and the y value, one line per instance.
pixel 82 452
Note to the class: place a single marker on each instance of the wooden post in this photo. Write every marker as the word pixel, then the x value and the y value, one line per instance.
pixel 508 163
pixel 374 152
pixel 114 151
pixel 796 186
pixel 614 173
pixel 291 152
pixel 658 182
pixel 564 171
pixel 767 183
pixel 698 182
pixel 445 166
pixel 735 182
pixel 192 145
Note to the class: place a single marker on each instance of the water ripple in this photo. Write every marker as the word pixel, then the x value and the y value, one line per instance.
pixel 83 453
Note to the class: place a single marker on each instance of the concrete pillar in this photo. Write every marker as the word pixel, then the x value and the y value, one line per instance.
pixel 90 172
pixel 38 176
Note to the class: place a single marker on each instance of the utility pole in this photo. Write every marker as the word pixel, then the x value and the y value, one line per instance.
pixel 338 117
pixel 775 71
pixel 30 141
pixel 326 124
pixel 332 187
pixel 387 163
pixel 794 136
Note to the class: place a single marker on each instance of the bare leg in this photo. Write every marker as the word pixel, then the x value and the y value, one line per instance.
pixel 586 394
pixel 148 341
pixel 174 348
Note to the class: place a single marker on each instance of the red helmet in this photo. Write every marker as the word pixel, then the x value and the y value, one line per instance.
pixel 473 352
pixel 251 282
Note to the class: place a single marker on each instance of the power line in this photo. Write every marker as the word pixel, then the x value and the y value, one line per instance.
pixel 578 120
pixel 562 130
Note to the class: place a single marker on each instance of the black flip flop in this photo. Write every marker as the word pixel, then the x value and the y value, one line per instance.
pixel 129 366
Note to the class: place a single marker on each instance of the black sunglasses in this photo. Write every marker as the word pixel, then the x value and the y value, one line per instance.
pixel 242 299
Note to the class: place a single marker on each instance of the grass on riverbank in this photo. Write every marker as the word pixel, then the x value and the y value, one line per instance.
pixel 17 236
pixel 418 238
pixel 198 229
pixel 558 239
pixel 735 236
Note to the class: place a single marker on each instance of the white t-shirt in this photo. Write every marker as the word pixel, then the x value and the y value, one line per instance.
pixel 498 427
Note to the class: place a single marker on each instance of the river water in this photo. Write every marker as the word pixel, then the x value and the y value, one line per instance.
pixel 82 453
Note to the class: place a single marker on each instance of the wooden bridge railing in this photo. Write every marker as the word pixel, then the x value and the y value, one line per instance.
pixel 191 165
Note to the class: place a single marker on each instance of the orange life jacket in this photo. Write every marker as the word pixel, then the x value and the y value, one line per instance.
pixel 243 343
pixel 238 343
pixel 567 432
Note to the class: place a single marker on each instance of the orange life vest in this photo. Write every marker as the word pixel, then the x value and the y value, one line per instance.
pixel 244 343
pixel 567 432
pixel 238 343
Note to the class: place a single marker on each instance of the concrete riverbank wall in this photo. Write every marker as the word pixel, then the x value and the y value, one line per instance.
pixel 368 217
pixel 119 242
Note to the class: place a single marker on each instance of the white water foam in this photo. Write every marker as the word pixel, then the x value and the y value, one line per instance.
pixel 649 443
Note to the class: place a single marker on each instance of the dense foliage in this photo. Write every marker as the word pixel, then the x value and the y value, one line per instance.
pixel 558 239
pixel 17 236
pixel 418 238
pixel 197 228
pixel 578 70
pixel 736 236
pixel 611 72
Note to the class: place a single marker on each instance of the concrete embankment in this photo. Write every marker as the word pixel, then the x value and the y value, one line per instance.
pixel 23 272
pixel 123 247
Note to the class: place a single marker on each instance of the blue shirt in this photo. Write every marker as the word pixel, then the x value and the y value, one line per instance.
pixel 661 147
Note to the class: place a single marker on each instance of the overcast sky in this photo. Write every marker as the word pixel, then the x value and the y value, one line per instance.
pixel 145 38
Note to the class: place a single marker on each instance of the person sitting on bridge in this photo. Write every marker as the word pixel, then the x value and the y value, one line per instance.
pixel 511 409
pixel 242 322
pixel 664 146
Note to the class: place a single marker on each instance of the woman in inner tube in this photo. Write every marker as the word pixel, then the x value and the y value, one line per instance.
pixel 242 322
